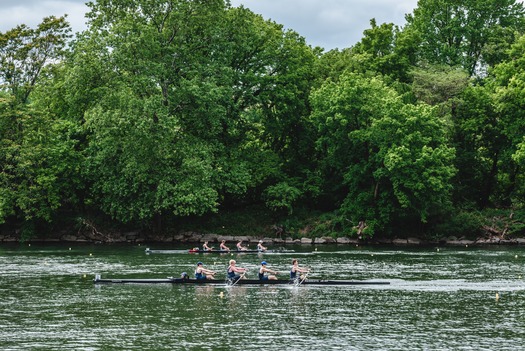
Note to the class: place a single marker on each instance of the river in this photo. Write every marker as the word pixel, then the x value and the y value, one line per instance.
pixel 446 298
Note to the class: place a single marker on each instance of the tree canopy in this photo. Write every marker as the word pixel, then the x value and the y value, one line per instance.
pixel 171 109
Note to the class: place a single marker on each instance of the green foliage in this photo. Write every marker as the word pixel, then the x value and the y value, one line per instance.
pixel 281 196
pixel 35 155
pixel 207 109
pixel 507 88
pixel 389 157
pixel 504 223
pixel 24 52
pixel 462 223
pixel 381 51
pixel 177 112
pixel 438 84
pixel 471 34
pixel 519 155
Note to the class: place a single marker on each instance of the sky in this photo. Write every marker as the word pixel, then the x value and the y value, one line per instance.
pixel 329 24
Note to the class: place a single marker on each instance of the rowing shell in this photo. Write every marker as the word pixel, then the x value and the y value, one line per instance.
pixel 150 251
pixel 181 281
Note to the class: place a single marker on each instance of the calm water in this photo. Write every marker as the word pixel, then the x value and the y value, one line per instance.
pixel 437 300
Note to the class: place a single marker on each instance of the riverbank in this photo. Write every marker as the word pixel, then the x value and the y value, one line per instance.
pixel 195 239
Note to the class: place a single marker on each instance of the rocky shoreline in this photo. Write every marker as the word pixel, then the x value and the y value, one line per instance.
pixel 197 238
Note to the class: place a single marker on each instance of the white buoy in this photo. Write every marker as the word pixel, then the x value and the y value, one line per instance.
pixel 221 294
pixel 516 256
pixel 497 296
pixel 437 250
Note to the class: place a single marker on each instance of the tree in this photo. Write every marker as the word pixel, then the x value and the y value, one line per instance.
pixel 24 52
pixel 507 84
pixel 480 144
pixel 184 104
pixel 468 34
pixel 391 159
pixel 382 50
pixel 34 155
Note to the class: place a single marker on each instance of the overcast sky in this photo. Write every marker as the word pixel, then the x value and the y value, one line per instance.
pixel 327 23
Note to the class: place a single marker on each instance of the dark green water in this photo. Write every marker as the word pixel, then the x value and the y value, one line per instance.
pixel 437 300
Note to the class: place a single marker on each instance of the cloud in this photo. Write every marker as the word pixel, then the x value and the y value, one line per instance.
pixel 32 12
pixel 327 23
pixel 330 23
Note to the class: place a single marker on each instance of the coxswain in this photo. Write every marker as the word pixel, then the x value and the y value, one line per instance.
pixel 233 270
pixel 263 270
pixel 223 246
pixel 260 246
pixel 296 269
pixel 202 273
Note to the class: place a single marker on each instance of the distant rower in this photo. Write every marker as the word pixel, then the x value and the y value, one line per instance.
pixel 223 246
pixel 240 247
pixel 260 246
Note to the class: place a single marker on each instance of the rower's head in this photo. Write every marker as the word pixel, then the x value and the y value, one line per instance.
pixel 199 263
pixel 263 263
pixel 223 241
pixel 260 241
pixel 294 261
pixel 232 262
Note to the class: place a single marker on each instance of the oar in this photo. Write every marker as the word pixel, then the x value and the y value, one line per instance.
pixel 302 280
pixel 242 276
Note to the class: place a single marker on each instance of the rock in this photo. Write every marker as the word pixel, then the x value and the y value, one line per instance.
pixel 178 237
pixel 400 242
pixel 343 240
pixel 209 237
pixel 306 241
pixel 384 241
pixel 68 237
pixel 508 242
pixel 226 237
pixel 463 242
pixel 414 241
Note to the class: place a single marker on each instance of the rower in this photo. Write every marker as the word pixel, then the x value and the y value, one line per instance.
pixel 295 269
pixel 263 270
pixel 240 247
pixel 202 273
pixel 205 247
pixel 223 246
pixel 260 246
pixel 233 270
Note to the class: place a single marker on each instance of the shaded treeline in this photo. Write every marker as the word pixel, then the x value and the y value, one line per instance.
pixel 172 109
